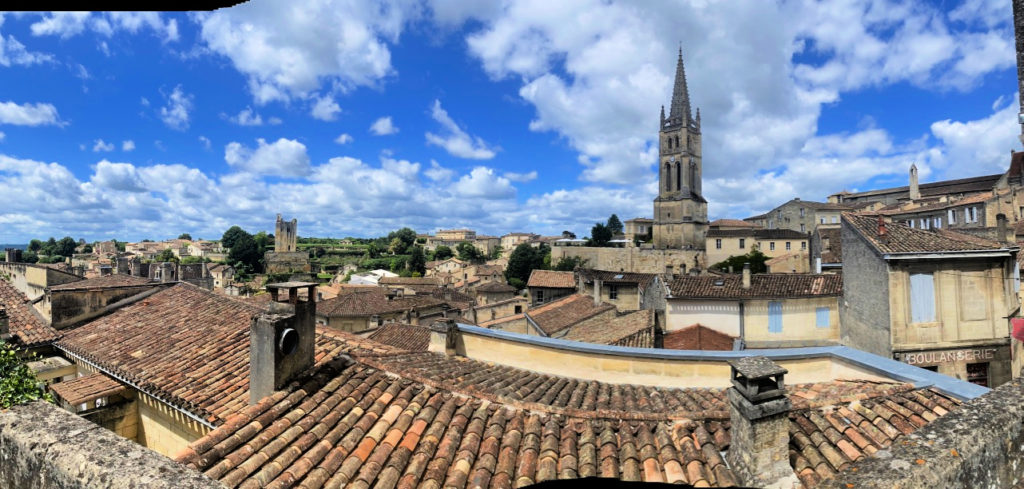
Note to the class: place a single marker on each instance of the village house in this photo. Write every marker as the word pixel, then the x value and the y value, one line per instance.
pixel 223 275
pixel 776 310
pixel 801 215
pixel 410 285
pixel 491 292
pixel 936 299
pixel 497 310
pixel 510 241
pixel 33 279
pixel 626 291
pixel 554 318
pixel 724 243
pixel 548 285
pixel 70 304
pixel 637 228
pixel 371 277
pixel 359 310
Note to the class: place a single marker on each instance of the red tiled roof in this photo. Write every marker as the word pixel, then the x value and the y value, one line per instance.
pixel 409 281
pixel 762 285
pixel 731 223
pixel 104 282
pixel 635 329
pixel 423 419
pixel 373 301
pixel 565 312
pixel 87 388
pixel 552 279
pixel 29 329
pixel 697 337
pixel 407 337
pixel 495 287
pixel 904 239
pixel 642 280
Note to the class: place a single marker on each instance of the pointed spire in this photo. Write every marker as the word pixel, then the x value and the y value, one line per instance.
pixel 680 107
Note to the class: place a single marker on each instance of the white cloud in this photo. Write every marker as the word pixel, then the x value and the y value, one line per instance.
pixel 128 145
pixel 102 146
pixel 383 127
pixel 521 177
pixel 117 176
pixel 38 114
pixel 288 50
pixel 457 142
pixel 484 183
pixel 343 138
pixel 978 147
pixel 63 24
pixel 284 157
pixel 206 142
pixel 325 109
pixel 70 24
pixel 438 173
pixel 2 136
pixel 13 53
pixel 247 117
pixel 176 113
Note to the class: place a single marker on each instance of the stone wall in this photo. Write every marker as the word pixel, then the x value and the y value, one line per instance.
pixel 281 262
pixel 979 445
pixel 864 307
pixel 69 307
pixel 642 260
pixel 44 447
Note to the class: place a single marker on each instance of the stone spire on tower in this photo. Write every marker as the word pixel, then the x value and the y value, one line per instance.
pixel 680 108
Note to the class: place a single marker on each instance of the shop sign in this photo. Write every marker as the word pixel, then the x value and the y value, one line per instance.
pixel 949 356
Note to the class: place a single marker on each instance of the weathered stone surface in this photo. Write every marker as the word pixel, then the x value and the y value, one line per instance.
pixel 44 447
pixel 980 445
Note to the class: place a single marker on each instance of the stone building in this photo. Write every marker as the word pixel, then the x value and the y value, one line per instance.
pixel 935 299
pixel 680 210
pixel 638 228
pixel 627 291
pixel 285 235
pixel 286 258
pixel 547 285
pixel 802 215
pixel 724 243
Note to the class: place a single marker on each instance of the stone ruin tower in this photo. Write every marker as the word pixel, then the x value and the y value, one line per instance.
pixel 285 235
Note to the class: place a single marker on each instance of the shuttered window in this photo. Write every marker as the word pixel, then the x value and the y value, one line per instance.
pixel 821 315
pixel 922 298
pixel 774 317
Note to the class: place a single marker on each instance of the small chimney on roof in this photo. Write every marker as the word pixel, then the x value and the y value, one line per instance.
pixel 1001 227
pixel 746 275
pixel 915 192
pixel 281 341
pixel 444 337
pixel 759 414
pixel 883 231
pixel 597 291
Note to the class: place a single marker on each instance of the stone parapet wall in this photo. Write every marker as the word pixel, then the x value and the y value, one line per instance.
pixel 980 445
pixel 44 447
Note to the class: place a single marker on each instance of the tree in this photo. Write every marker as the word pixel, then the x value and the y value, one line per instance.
pixel 755 258
pixel 372 250
pixel 87 249
pixel 468 252
pixel 569 263
pixel 396 247
pixel 614 225
pixel 66 246
pixel 406 236
pixel 417 261
pixel 166 255
pixel 245 251
pixel 35 245
pixel 231 236
pixel 18 384
pixel 600 235
pixel 29 257
pixel 262 242
pixel 523 261
pixel 50 247
pixel 185 236
pixel 496 252
pixel 443 253
pixel 568 235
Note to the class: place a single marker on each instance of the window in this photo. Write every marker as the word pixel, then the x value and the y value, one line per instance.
pixel 613 292
pixel 803 228
pixel 803 245
pixel 911 223
pixel 977 373
pixel 718 244
pixel 973 211
pixel 834 219
pixel 821 317
pixel 743 243
pixel 801 212
pixel 937 222
pixel 779 215
pixel 519 309
pixel 922 298
pixel 539 297
pixel 774 317
pixel 823 220
pixel 771 246
pixel 788 245
pixel 924 224
pixel 951 216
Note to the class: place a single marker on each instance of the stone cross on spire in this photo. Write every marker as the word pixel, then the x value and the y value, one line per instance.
pixel 680 95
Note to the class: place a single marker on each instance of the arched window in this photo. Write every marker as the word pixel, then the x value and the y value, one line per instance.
pixel 679 178
pixel 668 177
pixel 693 175
pixel 677 142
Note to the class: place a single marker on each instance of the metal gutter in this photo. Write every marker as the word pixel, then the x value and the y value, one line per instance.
pixel 943 255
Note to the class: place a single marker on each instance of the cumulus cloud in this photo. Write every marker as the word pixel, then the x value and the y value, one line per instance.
pixel 70 24
pixel 28 114
pixel 2 136
pixel 456 141
pixel 249 117
pixel 102 146
pixel 438 173
pixel 343 138
pixel 284 157
pixel 128 145
pixel 383 127
pixel 287 50
pixel 176 113
pixel 205 141
pixel 483 182
pixel 14 53
pixel 117 176
pixel 521 177
pixel 325 109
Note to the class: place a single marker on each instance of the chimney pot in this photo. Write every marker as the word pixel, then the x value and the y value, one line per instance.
pixel 281 341
pixel 758 412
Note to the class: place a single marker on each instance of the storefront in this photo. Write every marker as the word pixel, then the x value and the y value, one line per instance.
pixel 988 365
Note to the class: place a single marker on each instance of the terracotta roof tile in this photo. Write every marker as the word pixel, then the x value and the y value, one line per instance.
pixel 87 388
pixel 697 337
pixel 635 329
pixel 717 223
pixel 904 239
pixel 27 326
pixel 374 301
pixel 552 279
pixel 762 285
pixel 560 314
pixel 104 282
pixel 495 287
pixel 642 280
pixel 407 337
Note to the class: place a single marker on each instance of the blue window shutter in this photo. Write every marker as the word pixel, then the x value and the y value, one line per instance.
pixel 922 298
pixel 822 317
pixel 774 317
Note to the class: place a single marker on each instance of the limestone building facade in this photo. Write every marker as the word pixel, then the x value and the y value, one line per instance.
pixel 680 210
pixel 285 237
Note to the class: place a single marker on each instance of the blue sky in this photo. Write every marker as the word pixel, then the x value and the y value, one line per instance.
pixel 361 117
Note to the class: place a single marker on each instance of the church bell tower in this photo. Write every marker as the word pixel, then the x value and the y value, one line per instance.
pixel 680 211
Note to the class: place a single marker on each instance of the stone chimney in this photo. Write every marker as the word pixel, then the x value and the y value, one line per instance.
pixel 746 275
pixel 1001 227
pixel 281 341
pixel 915 192
pixel 883 231
pixel 759 414
pixel 444 337
pixel 597 291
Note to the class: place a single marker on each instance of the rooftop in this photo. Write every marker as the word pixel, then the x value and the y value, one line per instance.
pixel 762 285
pixel 697 337
pixel 552 279
pixel 643 280
pixel 373 301
pixel 958 186
pixel 904 239
pixel 406 337
pixel 495 287
pixel 634 329
pixel 756 233
pixel 25 324
pixel 560 314
pixel 104 282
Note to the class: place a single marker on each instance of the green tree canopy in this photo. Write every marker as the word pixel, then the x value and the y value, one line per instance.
pixel 755 258
pixel 66 246
pixel 166 255
pixel 245 251
pixel 35 245
pixel 231 236
pixel 185 236
pixel 443 253
pixel 406 237
pixel 496 252
pixel 524 260
pixel 263 241
pixel 569 263
pixel 614 224
pixel 18 385
pixel 600 235
pixel 568 234
pixel 417 260
pixel 468 252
